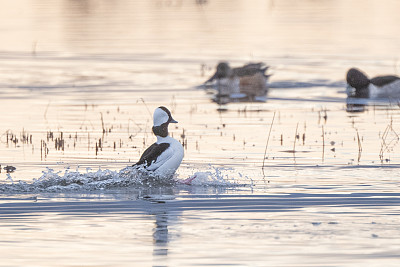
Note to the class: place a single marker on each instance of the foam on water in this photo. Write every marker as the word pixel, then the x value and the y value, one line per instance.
pixel 59 181
pixel 221 177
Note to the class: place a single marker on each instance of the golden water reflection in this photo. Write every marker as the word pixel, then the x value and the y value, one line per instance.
pixel 217 28
pixel 75 68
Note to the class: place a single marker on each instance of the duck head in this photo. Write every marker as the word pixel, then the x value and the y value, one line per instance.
pixel 359 81
pixel 161 118
pixel 223 71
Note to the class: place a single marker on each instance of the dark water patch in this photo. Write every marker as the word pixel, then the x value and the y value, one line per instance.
pixel 319 99
pixel 374 166
pixel 290 84
pixel 295 151
pixel 172 203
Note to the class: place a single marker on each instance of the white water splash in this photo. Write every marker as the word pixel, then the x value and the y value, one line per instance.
pixel 220 177
pixel 52 181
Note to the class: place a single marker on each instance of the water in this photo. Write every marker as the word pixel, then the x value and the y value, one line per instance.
pixel 77 73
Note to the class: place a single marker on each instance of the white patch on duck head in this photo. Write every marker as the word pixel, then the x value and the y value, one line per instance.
pixel 162 115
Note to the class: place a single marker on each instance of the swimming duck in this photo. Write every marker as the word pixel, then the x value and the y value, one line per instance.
pixel 248 82
pixel 360 86
pixel 164 156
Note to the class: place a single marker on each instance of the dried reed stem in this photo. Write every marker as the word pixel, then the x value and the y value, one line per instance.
pixel 386 146
pixel 359 146
pixel 266 145
pixel 323 144
pixel 295 137
pixel 148 110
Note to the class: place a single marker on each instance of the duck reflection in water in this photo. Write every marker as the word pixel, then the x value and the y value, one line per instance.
pixel 159 209
pixel 161 204
pixel 361 90
pixel 160 234
pixel 248 83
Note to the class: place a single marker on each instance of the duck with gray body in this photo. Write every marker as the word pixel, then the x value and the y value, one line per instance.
pixel 164 156
pixel 248 82
pixel 225 71
pixel 380 87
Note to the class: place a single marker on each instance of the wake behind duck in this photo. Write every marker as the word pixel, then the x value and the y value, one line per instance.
pixel 127 178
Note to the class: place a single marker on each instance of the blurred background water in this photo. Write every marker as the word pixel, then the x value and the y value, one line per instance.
pixel 85 71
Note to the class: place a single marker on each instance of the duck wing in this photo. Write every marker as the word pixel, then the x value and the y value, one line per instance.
pixel 250 69
pixel 151 154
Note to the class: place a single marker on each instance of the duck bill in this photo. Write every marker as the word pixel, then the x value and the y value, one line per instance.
pixel 211 78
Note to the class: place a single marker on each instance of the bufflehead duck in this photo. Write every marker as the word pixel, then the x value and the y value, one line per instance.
pixel 164 156
pixel 360 86
pixel 248 82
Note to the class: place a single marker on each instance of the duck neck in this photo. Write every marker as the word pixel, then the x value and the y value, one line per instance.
pixel 161 139
pixel 161 130
pixel 362 92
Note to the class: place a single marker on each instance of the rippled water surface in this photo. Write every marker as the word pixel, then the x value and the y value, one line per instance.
pixel 295 181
